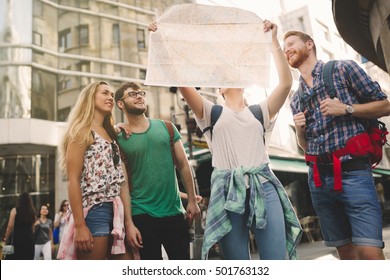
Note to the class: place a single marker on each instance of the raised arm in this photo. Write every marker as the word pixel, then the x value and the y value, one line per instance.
pixel 281 91
pixel 194 100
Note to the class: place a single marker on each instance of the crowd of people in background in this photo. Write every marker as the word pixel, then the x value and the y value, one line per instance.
pixel 30 231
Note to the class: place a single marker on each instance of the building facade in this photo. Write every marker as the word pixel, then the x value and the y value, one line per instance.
pixel 49 50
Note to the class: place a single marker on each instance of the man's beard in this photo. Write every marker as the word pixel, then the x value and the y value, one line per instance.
pixel 134 111
pixel 299 57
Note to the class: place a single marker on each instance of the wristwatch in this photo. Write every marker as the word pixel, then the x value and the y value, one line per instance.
pixel 349 109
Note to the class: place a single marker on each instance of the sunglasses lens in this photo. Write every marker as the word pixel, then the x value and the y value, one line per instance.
pixel 115 156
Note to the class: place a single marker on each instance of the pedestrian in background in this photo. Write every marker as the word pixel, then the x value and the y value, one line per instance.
pixel 20 229
pixel 245 194
pixel 59 219
pixel 350 216
pixel 43 231
pixel 97 189
pixel 157 211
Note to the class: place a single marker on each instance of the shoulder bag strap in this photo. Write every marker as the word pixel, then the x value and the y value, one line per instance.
pixel 169 126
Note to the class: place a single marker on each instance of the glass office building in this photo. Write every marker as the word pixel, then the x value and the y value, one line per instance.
pixel 49 50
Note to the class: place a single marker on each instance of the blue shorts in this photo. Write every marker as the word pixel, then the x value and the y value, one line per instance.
pixel 99 219
pixel 351 216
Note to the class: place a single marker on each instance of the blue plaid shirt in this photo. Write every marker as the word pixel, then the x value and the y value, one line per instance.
pixel 353 86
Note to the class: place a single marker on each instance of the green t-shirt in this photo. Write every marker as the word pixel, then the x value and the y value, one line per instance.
pixel 154 184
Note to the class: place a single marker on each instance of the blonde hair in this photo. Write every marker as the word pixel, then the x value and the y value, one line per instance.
pixel 80 121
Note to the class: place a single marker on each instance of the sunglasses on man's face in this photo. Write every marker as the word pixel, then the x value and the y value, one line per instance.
pixel 115 153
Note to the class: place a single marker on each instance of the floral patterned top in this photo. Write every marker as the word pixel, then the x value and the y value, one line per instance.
pixel 100 178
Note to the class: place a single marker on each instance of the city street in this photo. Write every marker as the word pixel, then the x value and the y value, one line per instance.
pixel 318 251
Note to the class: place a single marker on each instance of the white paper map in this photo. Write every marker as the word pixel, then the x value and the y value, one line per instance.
pixel 208 46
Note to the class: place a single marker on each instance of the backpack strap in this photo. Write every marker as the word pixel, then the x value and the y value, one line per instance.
pixel 258 113
pixel 216 112
pixel 328 79
pixel 169 126
pixel 327 72
pixel 300 92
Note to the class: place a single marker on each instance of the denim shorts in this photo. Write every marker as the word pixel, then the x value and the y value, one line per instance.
pixel 99 219
pixel 351 216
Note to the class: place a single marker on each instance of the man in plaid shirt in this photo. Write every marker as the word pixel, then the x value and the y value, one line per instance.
pixel 349 212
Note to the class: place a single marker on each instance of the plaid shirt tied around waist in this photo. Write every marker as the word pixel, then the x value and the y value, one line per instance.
pixel 228 193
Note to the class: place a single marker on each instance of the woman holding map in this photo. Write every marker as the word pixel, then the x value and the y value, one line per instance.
pixel 245 194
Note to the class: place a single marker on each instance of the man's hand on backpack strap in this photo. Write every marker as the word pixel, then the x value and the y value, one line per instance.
pixel 332 107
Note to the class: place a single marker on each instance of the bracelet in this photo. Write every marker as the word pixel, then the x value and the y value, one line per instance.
pixel 274 50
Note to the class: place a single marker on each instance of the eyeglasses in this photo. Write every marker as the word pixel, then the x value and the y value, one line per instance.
pixel 133 94
pixel 66 205
pixel 115 153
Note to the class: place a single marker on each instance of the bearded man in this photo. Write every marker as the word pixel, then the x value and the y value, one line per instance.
pixel 158 216
pixel 326 125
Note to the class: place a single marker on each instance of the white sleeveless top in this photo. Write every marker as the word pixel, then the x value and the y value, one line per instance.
pixel 237 138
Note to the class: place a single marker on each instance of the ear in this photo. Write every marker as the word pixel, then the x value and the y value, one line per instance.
pixel 309 44
pixel 120 105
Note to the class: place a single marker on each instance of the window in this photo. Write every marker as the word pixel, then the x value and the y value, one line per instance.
pixel 302 24
pixel 26 173
pixel 40 113
pixel 64 39
pixel 142 74
pixel 141 38
pixel 63 114
pixel 37 38
pixel 84 4
pixel 115 34
pixel 64 82
pixel 85 67
pixel 37 82
pixel 38 8
pixel 83 35
pixel 326 32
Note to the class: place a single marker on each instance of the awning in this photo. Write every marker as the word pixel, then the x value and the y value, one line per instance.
pixel 288 165
pixel 199 154
pixel 381 171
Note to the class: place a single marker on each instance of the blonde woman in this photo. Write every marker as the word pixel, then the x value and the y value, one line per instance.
pixel 97 189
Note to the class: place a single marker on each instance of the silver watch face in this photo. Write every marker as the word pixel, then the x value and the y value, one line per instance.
pixel 350 109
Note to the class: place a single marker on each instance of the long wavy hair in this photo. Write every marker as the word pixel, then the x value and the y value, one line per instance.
pixel 80 121
pixel 25 208
pixel 63 204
